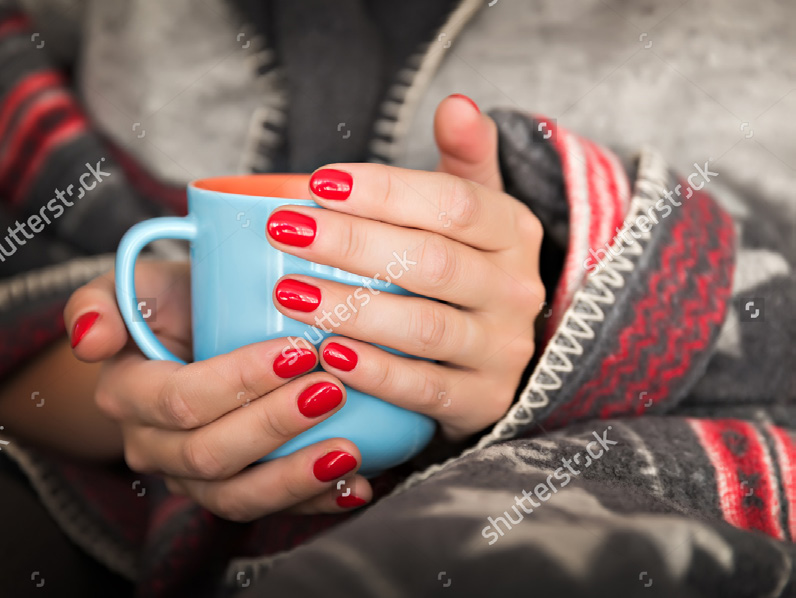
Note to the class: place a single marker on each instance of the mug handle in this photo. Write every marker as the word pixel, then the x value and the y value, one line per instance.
pixel 133 241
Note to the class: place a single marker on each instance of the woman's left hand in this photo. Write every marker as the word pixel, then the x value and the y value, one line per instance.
pixel 453 236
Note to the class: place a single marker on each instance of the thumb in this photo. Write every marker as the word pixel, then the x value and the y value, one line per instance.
pixel 467 142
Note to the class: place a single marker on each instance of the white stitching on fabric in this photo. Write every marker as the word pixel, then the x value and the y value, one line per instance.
pixel 406 93
pixel 595 290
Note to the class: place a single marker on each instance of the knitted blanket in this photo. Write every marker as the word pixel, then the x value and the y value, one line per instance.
pixel 651 448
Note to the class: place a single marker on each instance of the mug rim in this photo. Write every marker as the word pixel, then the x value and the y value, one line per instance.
pixel 266 185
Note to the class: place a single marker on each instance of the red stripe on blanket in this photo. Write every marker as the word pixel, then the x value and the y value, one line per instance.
pixel 637 367
pixel 693 335
pixel 745 478
pixel 24 90
pixel 14 24
pixel 785 447
pixel 596 208
pixel 573 162
pixel 29 124
pixel 172 196
pixel 30 129
pixel 73 126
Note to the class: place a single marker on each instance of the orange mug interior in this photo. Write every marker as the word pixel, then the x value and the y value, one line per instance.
pixel 292 186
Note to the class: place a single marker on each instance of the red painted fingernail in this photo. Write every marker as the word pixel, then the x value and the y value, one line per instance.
pixel 293 362
pixel 333 465
pixel 319 398
pixel 350 501
pixel 329 183
pixel 292 228
pixel 340 357
pixel 297 295
pixel 464 97
pixel 82 325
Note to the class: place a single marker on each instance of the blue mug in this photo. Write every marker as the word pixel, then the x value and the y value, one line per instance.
pixel 233 273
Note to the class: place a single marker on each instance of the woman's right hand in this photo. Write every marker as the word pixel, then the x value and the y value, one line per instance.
pixel 201 425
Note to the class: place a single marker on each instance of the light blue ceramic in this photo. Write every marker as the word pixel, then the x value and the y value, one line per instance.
pixel 233 273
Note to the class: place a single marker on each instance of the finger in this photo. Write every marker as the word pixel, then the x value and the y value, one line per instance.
pixel 95 324
pixel 467 142
pixel 278 484
pixel 224 447
pixel 345 495
pixel 459 399
pixel 412 325
pixel 443 203
pixel 169 395
pixel 426 263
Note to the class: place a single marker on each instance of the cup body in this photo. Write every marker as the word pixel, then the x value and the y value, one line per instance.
pixel 233 273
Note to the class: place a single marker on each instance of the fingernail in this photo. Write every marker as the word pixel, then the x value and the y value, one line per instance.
pixel 329 183
pixel 82 325
pixel 319 398
pixel 294 362
pixel 292 228
pixel 300 296
pixel 340 357
pixel 350 501
pixel 333 465
pixel 464 97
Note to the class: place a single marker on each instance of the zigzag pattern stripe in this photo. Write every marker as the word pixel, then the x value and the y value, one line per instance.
pixel 575 326
pixel 698 313
pixel 566 341
pixel 643 333
pixel 650 326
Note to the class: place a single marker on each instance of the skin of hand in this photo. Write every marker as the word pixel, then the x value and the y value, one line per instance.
pixel 200 425
pixel 452 235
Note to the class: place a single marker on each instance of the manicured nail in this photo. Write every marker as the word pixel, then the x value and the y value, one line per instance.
pixel 300 296
pixel 464 97
pixel 333 465
pixel 329 183
pixel 350 501
pixel 292 228
pixel 82 325
pixel 340 357
pixel 294 362
pixel 319 398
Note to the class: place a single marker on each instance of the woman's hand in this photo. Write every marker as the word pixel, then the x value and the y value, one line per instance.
pixel 461 241
pixel 200 425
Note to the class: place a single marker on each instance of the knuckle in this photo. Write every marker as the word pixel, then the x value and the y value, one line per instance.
pixel 352 243
pixel 352 316
pixel 431 393
pixel 438 264
pixel 247 381
pixel 460 202
pixel 530 295
pixel 199 460
pixel 384 377
pixel 388 198
pixel 272 421
pixel 174 407
pixel 528 225
pixel 499 406
pixel 520 351
pixel 107 402
pixel 135 458
pixel 230 506
pixel 427 326
pixel 292 488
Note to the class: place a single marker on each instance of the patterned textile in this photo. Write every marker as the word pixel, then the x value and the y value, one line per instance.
pixel 666 308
